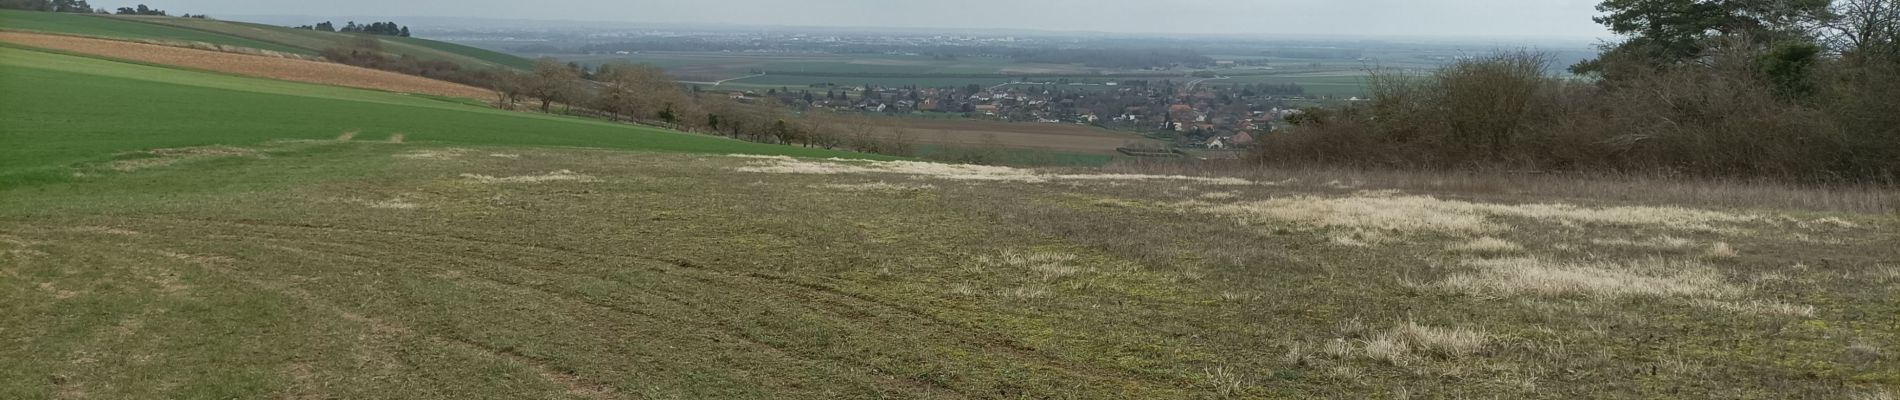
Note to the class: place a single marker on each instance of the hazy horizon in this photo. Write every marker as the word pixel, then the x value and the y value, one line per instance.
pixel 1569 19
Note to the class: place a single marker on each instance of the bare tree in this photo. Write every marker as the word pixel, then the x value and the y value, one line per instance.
pixel 1865 29
pixel 552 82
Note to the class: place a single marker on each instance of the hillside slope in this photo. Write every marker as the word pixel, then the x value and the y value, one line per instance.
pixel 242 34
pixel 289 69
pixel 64 110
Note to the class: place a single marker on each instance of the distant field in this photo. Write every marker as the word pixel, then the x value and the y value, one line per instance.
pixel 712 66
pixel 250 65
pixel 240 34
pixel 62 110
pixel 1062 138
pixel 91 25
pixel 800 82
pixel 1336 84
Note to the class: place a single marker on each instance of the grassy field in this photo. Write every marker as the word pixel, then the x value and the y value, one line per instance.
pixel 240 34
pixel 64 109
pixel 358 269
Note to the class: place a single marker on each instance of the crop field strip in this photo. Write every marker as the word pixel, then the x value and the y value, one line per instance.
pixel 243 35
pixel 288 69
pixel 52 93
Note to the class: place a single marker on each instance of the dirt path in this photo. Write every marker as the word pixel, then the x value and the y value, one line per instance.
pixel 288 69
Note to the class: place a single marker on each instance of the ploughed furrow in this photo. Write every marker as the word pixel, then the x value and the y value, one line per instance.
pixel 807 328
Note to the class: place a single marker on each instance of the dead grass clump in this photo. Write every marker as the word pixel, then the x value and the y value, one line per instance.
pixel 1720 251
pixel 1046 265
pixel 881 187
pixel 1665 242
pixel 1542 277
pixel 1487 247
pixel 556 176
pixel 1759 307
pixel 1409 342
pixel 1448 342
pixel 1225 382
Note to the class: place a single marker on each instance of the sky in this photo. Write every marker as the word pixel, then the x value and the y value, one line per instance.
pixel 1440 18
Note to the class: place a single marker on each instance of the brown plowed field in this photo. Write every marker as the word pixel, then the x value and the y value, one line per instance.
pixel 249 65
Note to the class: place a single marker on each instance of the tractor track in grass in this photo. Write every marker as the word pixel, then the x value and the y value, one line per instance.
pixel 881 314
pixel 222 266
pixel 719 331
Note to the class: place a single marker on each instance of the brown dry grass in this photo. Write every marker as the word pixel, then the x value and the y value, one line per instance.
pixel 1585 188
pixel 288 69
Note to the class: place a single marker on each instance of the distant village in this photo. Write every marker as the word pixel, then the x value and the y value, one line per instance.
pixel 1186 113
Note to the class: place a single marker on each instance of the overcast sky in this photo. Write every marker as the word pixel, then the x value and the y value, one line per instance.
pixel 1467 18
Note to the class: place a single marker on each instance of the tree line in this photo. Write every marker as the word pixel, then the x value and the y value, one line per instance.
pixel 373 28
pixel 1794 90
pixel 82 7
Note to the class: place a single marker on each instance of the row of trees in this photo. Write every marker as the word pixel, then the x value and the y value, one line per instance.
pixel 65 6
pixel 82 7
pixel 1800 90
pixel 373 28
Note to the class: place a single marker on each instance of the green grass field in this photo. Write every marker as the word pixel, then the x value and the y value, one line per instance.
pixel 64 109
pixel 241 34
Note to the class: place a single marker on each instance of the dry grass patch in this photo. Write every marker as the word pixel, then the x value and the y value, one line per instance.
pixel 166 157
pixel 1392 214
pixel 1720 251
pixel 1487 247
pixel 390 204
pixel 1544 277
pixel 881 187
pixel 1047 266
pixel 430 154
pixel 1759 307
pixel 1664 242
pixel 556 176
pixel 1383 211
pixel 961 172
pixel 1220 195
pixel 1408 342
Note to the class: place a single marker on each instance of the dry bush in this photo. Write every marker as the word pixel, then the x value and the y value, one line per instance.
pixel 1501 113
